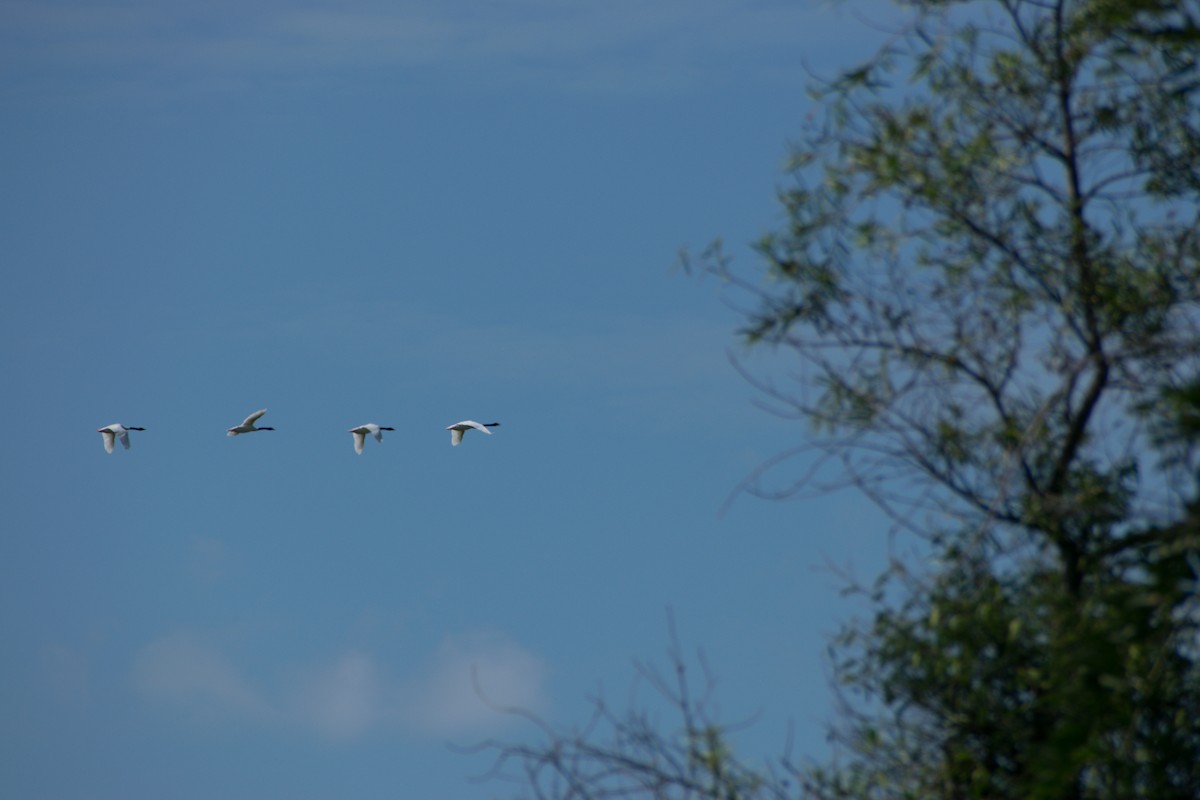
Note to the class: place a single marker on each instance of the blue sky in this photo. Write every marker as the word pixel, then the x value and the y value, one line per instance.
pixel 407 213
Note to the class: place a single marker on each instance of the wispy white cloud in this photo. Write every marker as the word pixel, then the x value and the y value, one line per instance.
pixel 612 44
pixel 623 360
pixel 342 700
pixel 468 678
pixel 472 678
pixel 183 671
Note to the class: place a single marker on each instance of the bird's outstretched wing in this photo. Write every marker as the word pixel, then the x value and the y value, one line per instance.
pixel 253 418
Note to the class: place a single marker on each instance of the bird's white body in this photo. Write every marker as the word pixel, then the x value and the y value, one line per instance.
pixel 360 434
pixel 116 431
pixel 247 425
pixel 459 428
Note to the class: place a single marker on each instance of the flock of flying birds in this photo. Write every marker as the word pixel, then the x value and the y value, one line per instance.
pixel 112 433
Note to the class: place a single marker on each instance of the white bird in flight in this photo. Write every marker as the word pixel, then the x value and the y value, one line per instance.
pixel 459 428
pixel 116 431
pixel 248 426
pixel 360 434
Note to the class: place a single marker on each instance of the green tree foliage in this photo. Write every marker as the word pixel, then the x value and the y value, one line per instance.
pixel 990 273
pixel 992 260
pixel 995 681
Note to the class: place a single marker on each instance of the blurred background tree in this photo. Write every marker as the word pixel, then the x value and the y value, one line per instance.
pixel 990 273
